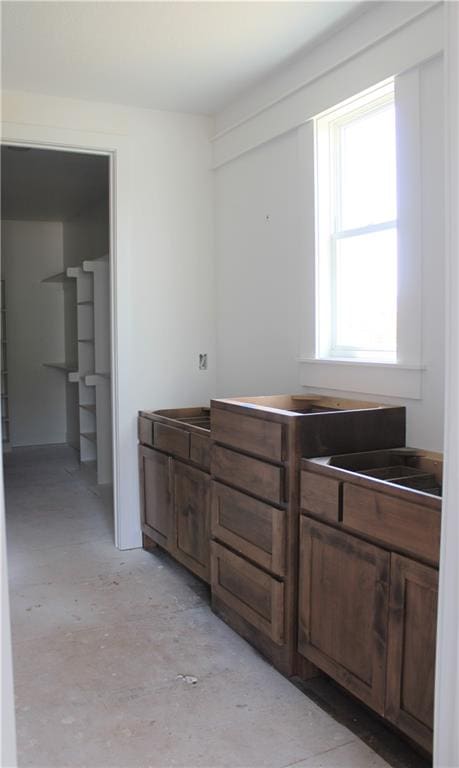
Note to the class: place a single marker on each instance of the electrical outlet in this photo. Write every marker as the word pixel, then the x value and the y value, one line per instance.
pixel 203 361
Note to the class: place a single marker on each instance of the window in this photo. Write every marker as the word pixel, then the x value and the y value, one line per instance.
pixel 356 212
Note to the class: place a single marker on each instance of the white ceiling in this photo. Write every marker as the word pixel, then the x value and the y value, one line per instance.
pixel 44 185
pixel 181 56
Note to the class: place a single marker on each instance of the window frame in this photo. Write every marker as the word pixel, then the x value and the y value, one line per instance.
pixel 329 229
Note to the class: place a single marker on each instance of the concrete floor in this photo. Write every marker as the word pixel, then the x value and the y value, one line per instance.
pixel 118 659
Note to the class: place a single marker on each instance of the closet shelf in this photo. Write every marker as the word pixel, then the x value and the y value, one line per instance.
pixel 85 341
pixel 91 436
pixel 85 303
pixel 65 367
pixel 91 407
pixel 58 278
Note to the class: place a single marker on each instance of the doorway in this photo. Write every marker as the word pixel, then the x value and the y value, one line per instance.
pixel 56 315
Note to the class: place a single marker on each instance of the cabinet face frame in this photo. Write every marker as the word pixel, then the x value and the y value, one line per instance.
pixel 372 694
pixel 403 572
pixel 165 536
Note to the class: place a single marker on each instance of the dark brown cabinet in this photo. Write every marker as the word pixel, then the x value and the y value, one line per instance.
pixel 368 579
pixel 257 443
pixel 156 495
pixel 411 649
pixel 174 458
pixel 343 609
pixel 191 518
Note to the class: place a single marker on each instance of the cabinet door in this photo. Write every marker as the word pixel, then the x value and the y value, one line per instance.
pixel 155 495
pixel 343 609
pixel 192 518
pixel 411 648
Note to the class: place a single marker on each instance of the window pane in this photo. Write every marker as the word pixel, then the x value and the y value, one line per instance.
pixel 368 169
pixel 366 291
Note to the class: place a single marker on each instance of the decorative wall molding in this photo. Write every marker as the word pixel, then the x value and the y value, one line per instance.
pixel 395 49
pixel 383 379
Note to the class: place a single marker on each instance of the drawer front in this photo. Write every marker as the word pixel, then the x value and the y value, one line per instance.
pixel 258 436
pixel 253 528
pixel 249 474
pixel 171 440
pixel 145 431
pixel 392 521
pixel 254 595
pixel 321 496
pixel 200 450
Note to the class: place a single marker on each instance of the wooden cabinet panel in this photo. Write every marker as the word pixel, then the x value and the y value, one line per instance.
pixel 155 495
pixel 249 526
pixel 321 496
pixel 145 427
pixel 411 648
pixel 171 439
pixel 248 433
pixel 393 521
pixel 256 477
pixel 343 609
pixel 200 450
pixel 192 518
pixel 249 591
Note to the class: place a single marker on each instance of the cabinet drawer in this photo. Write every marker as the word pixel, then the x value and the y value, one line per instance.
pixel 200 450
pixel 145 431
pixel 251 527
pixel 249 474
pixel 254 595
pixel 258 436
pixel 392 521
pixel 320 496
pixel 171 440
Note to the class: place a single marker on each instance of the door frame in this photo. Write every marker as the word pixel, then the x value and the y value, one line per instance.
pixel 112 153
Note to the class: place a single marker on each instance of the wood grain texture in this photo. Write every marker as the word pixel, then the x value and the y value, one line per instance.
pixel 321 496
pixel 411 649
pixel 192 518
pixel 155 496
pixel 249 591
pixel 200 450
pixel 343 608
pixel 251 527
pixel 145 431
pixel 252 475
pixel 171 440
pixel 250 434
pixel 399 524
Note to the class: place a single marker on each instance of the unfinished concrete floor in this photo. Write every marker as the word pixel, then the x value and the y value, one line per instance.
pixel 118 659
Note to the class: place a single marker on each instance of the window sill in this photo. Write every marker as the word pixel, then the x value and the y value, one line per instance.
pixel 371 378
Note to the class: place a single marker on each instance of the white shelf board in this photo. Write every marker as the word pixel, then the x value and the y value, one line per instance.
pixel 91 436
pixel 91 407
pixel 65 367
pixel 58 278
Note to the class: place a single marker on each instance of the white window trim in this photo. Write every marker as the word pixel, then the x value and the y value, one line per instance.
pixel 404 377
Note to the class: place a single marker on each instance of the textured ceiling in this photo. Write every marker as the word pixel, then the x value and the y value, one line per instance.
pixel 181 56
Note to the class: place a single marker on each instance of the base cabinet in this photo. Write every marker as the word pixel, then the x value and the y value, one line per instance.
pixel 175 507
pixel 411 648
pixel 343 609
pixel 156 495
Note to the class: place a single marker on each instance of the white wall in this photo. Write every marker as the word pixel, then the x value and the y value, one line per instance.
pixel 32 251
pixel 265 238
pixel 163 266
